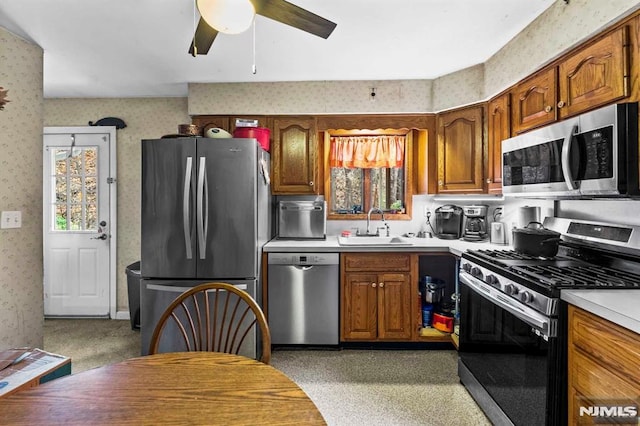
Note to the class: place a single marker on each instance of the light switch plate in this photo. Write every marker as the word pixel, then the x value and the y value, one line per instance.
pixel 11 219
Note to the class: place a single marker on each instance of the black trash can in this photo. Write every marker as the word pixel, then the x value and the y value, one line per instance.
pixel 133 287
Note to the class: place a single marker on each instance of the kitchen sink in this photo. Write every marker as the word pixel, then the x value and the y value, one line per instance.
pixel 374 241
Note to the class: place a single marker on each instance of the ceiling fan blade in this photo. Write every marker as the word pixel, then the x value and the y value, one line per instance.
pixel 203 38
pixel 297 17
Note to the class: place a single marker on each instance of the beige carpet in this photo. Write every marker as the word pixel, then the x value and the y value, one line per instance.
pixel 350 387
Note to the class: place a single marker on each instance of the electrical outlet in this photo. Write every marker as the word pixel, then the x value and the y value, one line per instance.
pixel 11 219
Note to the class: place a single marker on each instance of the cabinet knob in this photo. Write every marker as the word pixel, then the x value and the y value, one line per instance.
pixel 373 285
pixel 548 108
pixel 311 183
pixel 381 285
pixel 488 180
pixel 440 183
pixel 561 104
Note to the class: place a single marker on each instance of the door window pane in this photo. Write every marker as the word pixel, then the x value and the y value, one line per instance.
pixel 75 188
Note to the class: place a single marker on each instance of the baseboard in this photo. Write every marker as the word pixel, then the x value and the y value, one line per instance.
pixel 123 315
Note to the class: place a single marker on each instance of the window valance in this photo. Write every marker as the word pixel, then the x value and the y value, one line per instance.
pixel 367 152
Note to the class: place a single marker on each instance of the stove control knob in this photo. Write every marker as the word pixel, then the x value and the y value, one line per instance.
pixel 476 272
pixel 492 279
pixel 466 267
pixel 510 289
pixel 527 297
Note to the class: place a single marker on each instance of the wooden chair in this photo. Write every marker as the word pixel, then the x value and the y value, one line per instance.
pixel 215 317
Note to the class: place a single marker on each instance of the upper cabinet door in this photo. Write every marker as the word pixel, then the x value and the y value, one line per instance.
pixel 206 122
pixel 499 129
pixel 460 151
pixel 535 101
pixel 293 156
pixel 596 75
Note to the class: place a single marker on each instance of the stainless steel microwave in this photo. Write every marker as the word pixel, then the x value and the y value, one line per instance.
pixel 591 155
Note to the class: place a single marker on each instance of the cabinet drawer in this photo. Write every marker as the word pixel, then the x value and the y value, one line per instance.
pixel 612 346
pixel 594 380
pixel 387 262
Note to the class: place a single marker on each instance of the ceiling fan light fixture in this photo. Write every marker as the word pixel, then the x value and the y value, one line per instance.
pixel 227 16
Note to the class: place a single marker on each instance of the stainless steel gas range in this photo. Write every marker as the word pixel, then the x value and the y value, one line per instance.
pixel 513 325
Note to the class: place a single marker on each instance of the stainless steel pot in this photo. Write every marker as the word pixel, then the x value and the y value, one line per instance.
pixel 536 240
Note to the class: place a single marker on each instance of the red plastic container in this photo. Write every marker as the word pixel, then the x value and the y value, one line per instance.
pixel 443 322
pixel 262 134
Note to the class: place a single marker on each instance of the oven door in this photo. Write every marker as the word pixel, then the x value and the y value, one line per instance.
pixel 515 372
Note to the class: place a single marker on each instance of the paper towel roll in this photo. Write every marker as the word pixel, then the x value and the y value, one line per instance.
pixel 528 214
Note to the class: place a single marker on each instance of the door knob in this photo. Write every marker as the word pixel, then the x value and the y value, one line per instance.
pixel 100 237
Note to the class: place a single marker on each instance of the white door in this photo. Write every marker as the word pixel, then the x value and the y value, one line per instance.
pixel 78 221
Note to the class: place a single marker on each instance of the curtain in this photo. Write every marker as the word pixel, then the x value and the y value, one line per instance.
pixel 367 152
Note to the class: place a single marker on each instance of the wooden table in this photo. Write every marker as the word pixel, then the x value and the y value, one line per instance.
pixel 185 388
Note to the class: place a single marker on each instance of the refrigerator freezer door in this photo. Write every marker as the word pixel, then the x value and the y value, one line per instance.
pixel 168 243
pixel 156 295
pixel 227 210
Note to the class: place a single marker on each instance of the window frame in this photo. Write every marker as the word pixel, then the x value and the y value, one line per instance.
pixel 409 185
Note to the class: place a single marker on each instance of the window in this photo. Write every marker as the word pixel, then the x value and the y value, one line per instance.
pixel 367 171
pixel 75 188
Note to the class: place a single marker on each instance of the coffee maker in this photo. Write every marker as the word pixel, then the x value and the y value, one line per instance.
pixel 448 222
pixel 475 223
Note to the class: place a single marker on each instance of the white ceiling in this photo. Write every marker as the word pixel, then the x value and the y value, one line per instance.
pixel 132 48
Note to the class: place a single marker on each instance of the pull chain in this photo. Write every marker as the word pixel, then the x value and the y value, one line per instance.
pixel 193 43
pixel 253 68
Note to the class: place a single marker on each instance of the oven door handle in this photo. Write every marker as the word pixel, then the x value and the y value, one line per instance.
pixel 540 322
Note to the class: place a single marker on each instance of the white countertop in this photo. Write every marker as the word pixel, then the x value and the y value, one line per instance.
pixel 621 307
pixel 330 244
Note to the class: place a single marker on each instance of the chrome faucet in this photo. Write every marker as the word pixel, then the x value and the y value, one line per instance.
pixel 369 220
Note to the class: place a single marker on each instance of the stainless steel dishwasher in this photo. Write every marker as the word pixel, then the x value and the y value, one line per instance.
pixel 303 298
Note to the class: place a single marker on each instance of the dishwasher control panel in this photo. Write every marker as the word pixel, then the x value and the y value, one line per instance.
pixel 303 258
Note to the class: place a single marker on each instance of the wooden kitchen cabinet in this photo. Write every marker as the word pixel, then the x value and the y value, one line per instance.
pixel 595 75
pixel 206 122
pixel 535 100
pixel 498 129
pixel 226 122
pixel 460 151
pixel 603 360
pixel 293 156
pixel 376 297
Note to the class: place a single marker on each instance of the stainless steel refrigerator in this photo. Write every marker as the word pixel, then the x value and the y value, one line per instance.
pixel 206 213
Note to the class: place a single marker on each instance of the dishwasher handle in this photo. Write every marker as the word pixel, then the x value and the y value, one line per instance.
pixel 303 267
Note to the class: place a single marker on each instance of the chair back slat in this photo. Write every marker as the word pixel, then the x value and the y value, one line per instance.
pixel 183 332
pixel 229 331
pixel 215 317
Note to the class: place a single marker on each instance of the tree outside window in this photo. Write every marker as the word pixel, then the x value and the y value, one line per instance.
pixel 367 172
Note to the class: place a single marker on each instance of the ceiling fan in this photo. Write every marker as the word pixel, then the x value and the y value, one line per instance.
pixel 278 10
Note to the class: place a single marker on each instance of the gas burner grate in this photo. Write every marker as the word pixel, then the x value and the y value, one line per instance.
pixel 580 276
pixel 507 255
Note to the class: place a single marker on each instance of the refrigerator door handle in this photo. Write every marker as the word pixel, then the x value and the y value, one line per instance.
pixel 185 207
pixel 200 208
pixel 206 208
pixel 178 289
